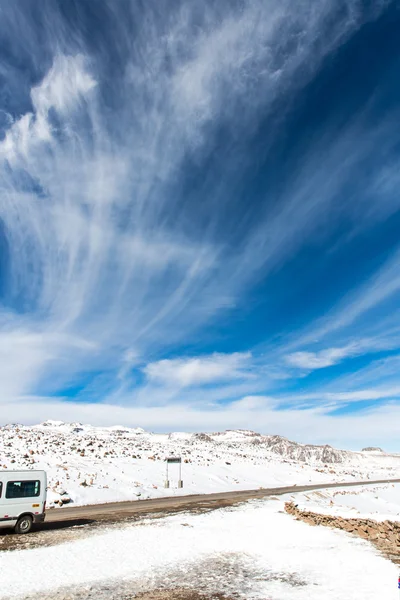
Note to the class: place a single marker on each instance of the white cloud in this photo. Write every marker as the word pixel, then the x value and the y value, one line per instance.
pixel 323 358
pixel 199 370
pixel 65 84
pixel 383 336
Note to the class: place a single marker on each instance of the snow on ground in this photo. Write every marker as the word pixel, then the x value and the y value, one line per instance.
pixel 94 465
pixel 254 551
pixel 379 502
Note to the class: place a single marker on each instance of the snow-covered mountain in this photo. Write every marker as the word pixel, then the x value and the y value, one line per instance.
pixel 93 464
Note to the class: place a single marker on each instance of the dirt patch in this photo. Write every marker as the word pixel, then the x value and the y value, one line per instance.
pixel 178 594
pixel 56 533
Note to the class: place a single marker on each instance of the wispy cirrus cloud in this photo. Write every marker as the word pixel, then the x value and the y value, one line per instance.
pixel 326 399
pixel 93 234
pixel 382 286
pixel 121 228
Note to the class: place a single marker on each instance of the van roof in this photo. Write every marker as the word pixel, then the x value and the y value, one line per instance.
pixel 8 471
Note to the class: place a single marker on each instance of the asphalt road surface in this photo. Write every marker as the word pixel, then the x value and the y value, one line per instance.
pixel 117 510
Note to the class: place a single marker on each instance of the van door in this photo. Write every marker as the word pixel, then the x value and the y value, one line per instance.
pixel 22 496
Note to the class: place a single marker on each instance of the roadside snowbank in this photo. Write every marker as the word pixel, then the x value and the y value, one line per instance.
pixel 379 502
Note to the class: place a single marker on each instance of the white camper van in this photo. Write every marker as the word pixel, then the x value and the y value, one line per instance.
pixel 22 499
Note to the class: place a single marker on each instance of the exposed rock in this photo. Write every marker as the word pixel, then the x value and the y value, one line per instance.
pixel 202 437
pixel 305 452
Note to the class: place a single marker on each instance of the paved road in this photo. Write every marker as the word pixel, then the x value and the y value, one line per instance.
pixel 117 510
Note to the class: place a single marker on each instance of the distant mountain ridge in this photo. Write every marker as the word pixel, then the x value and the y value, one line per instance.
pixel 234 438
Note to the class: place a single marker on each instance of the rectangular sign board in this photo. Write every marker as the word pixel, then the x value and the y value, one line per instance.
pixel 173 459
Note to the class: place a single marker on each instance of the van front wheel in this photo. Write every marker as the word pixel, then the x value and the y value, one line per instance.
pixel 24 524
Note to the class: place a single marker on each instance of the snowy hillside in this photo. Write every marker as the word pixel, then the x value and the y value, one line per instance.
pixel 91 464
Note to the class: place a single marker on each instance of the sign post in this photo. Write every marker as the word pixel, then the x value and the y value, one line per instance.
pixel 174 460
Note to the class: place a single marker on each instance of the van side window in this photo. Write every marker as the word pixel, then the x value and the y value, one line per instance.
pixel 1 488
pixel 23 489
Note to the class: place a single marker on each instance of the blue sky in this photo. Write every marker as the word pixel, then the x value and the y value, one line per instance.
pixel 200 216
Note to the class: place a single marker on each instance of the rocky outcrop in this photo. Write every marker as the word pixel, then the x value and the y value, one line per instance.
pixel 201 437
pixel 385 535
pixel 307 453
pixel 289 450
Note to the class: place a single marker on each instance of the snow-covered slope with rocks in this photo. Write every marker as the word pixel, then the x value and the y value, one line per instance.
pixel 90 464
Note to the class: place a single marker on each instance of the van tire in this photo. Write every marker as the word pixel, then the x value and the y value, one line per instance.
pixel 24 524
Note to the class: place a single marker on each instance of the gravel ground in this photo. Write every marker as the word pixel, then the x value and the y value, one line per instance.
pixel 160 594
